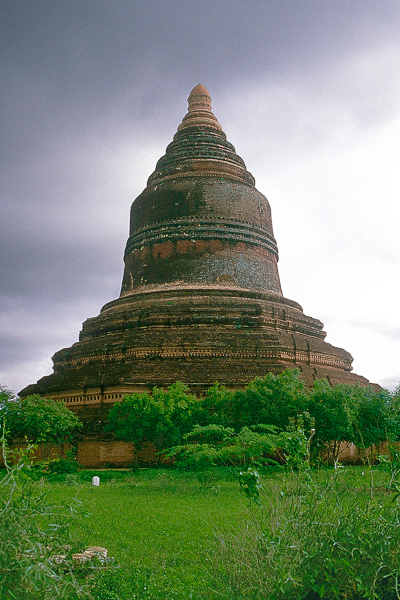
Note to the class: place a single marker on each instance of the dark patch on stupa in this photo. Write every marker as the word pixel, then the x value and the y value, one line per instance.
pixel 201 299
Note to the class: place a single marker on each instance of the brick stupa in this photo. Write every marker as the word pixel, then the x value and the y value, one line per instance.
pixel 201 299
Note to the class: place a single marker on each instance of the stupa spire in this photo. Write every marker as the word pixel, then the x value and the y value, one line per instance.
pixel 199 111
pixel 200 147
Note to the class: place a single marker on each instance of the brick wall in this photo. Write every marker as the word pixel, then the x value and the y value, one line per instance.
pixel 95 453
pixel 99 453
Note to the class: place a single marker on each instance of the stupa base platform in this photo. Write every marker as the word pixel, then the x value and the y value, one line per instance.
pixel 197 335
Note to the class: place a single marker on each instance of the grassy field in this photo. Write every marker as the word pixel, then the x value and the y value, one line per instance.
pixel 160 526
pixel 176 535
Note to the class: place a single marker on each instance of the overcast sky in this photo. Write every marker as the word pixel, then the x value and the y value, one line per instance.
pixel 91 93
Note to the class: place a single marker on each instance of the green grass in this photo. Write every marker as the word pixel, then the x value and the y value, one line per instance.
pixel 173 535
pixel 157 524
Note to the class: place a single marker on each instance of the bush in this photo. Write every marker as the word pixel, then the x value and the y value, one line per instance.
pixel 60 466
pixel 161 417
pixel 316 536
pixel 32 532
pixel 273 399
pixel 41 421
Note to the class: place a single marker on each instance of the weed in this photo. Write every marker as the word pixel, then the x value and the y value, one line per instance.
pixel 32 532
pixel 314 537
pixel 391 463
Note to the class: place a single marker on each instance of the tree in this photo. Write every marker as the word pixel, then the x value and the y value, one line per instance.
pixel 6 396
pixel 329 407
pixel 216 406
pixel 161 417
pixel 374 417
pixel 273 399
pixel 351 413
pixel 38 420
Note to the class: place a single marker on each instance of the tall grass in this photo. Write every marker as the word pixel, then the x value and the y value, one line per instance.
pixel 32 532
pixel 331 534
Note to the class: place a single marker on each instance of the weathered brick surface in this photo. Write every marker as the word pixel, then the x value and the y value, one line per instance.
pixel 101 453
pixel 93 453
pixel 41 452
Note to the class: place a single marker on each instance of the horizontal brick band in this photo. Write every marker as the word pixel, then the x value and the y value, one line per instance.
pixel 202 229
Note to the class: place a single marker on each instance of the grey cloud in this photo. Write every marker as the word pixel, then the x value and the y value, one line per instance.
pixel 68 67
pixel 94 48
pixel 39 269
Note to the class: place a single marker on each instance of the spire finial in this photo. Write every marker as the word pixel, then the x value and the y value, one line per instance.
pixel 199 99
pixel 199 112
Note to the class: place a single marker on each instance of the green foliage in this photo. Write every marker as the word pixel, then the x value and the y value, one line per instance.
pixel 136 419
pixel 361 415
pixel 249 481
pixel 193 457
pixel 258 445
pixel 330 410
pixel 216 445
pixel 295 447
pixel 273 399
pixel 161 417
pixel 343 413
pixel 391 462
pixel 314 536
pixel 373 420
pixel 216 406
pixel 58 466
pixel 249 447
pixel 7 400
pixel 210 434
pixel 32 532
pixel 39 420
pixel 5 396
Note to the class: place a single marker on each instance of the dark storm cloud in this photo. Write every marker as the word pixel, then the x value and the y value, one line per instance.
pixel 52 272
pixel 92 91
pixel 89 52
pixel 71 67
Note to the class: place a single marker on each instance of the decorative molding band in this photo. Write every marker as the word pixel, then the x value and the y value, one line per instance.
pixel 295 356
pixel 202 229
pixel 212 173
pixel 164 319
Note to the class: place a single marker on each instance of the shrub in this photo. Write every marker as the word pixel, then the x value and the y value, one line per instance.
pixel 315 536
pixel 40 421
pixel 32 532
pixel 216 445
pixel 161 417
pixel 273 399
pixel 58 466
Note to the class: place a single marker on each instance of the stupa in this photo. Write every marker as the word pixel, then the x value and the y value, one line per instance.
pixel 201 299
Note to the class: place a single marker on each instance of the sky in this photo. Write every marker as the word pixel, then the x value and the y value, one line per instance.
pixel 92 92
